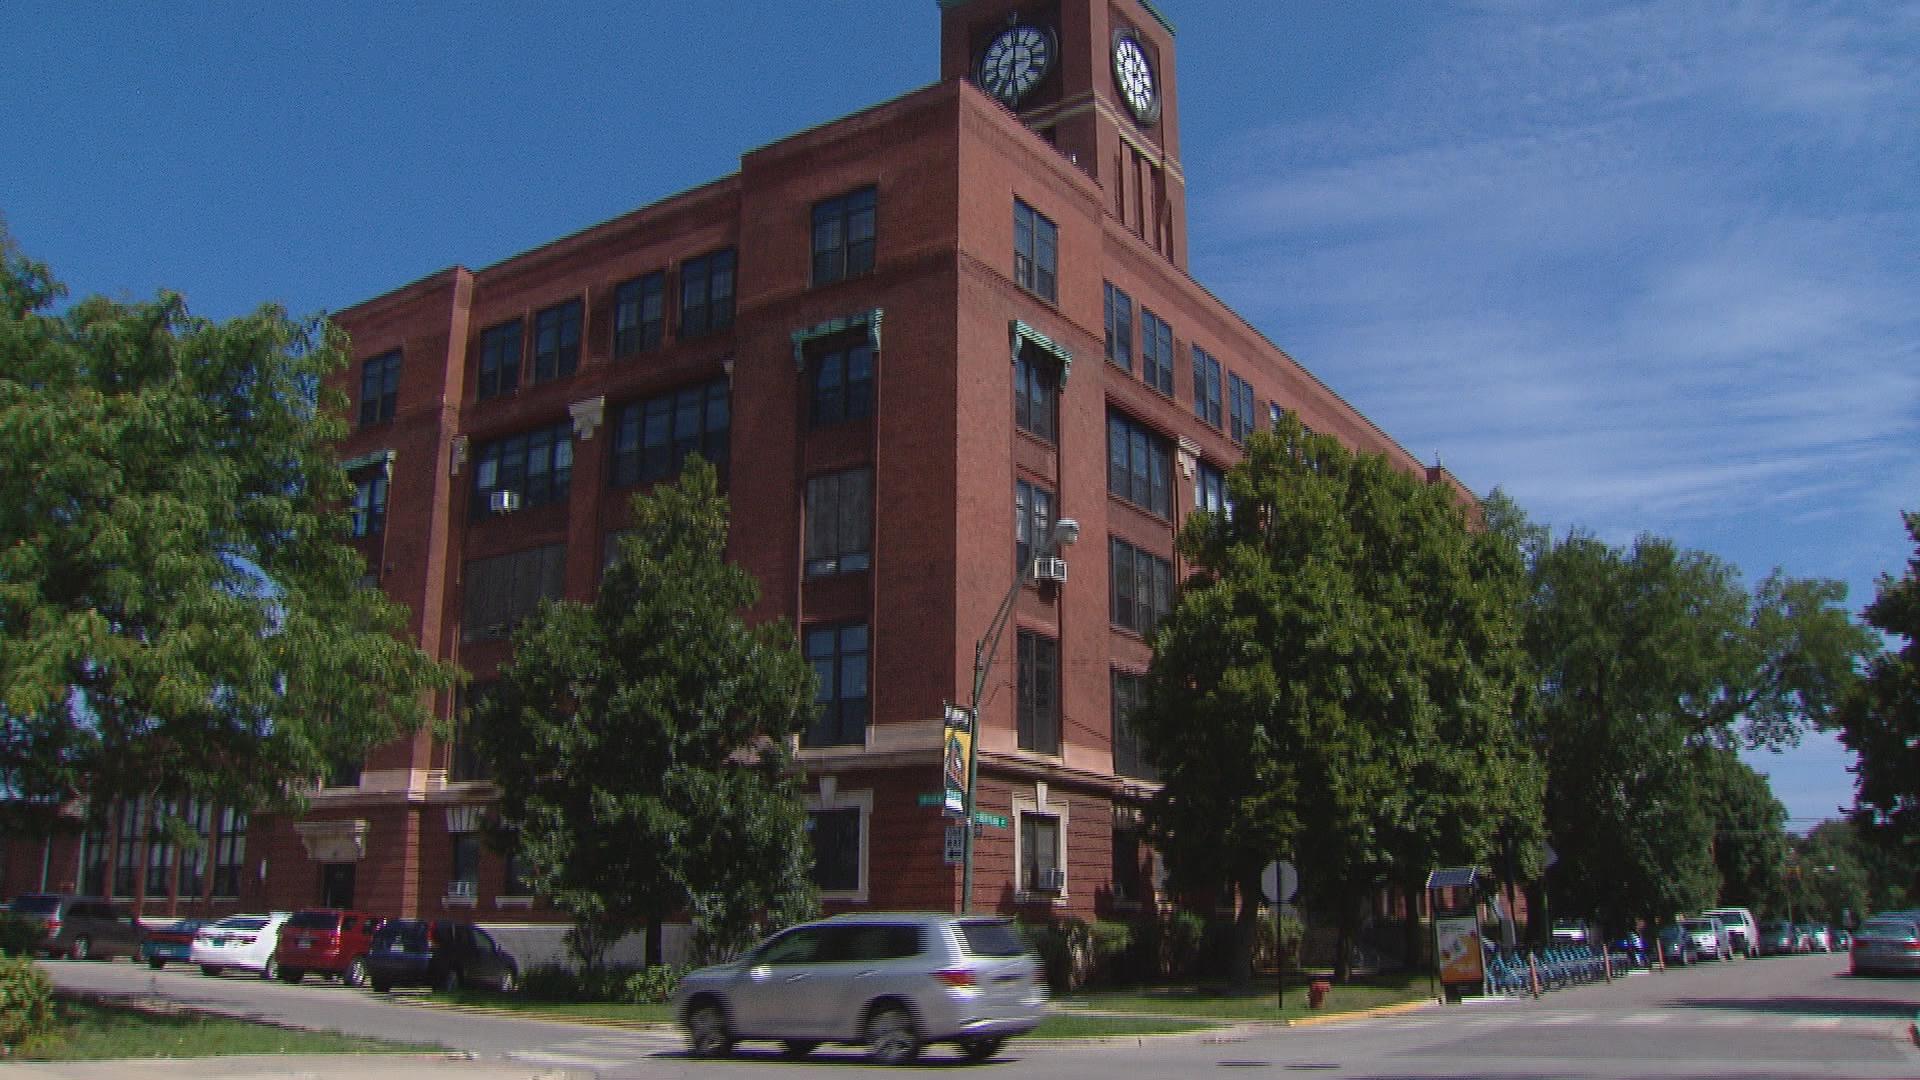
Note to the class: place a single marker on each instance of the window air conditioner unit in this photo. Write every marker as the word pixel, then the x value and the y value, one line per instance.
pixel 462 890
pixel 1050 568
pixel 504 501
pixel 1053 880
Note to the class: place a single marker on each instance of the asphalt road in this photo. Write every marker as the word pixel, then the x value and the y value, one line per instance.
pixel 1776 1017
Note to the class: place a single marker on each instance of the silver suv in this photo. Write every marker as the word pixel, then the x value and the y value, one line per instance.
pixel 891 982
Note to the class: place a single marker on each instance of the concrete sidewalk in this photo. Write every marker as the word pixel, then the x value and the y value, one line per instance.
pixel 290 1067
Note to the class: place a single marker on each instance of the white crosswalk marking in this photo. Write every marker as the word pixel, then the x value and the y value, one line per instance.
pixel 600 1051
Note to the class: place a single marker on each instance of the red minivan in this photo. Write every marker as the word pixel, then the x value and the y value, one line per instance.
pixel 326 941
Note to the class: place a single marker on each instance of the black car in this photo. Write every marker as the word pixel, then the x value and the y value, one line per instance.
pixel 439 954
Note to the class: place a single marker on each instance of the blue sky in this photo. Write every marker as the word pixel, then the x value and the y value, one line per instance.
pixel 1647 267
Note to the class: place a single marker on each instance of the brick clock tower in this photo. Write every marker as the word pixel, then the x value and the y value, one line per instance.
pixel 1096 79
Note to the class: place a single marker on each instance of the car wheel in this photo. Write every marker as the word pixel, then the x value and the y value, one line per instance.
pixel 449 982
pixel 982 1048
pixel 156 963
pixel 707 1034
pixel 356 974
pixel 210 970
pixel 891 1036
pixel 798 1048
pixel 291 976
pixel 80 949
pixel 272 970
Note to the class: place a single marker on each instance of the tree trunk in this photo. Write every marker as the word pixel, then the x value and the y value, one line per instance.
pixel 1349 924
pixel 656 940
pixel 1246 934
pixel 1411 929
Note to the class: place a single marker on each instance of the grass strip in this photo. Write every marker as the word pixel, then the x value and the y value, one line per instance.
pixel 96 1031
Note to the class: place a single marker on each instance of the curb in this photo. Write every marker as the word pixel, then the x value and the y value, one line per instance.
pixel 1361 1014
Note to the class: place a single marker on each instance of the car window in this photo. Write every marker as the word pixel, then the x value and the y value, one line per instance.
pixel 1889 928
pixel 36 905
pixel 794 947
pixel 859 944
pixel 482 940
pixel 241 922
pixel 991 937
pixel 313 920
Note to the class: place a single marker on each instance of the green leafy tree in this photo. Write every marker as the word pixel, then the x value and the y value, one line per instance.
pixel 1750 841
pixel 1881 720
pixel 1649 656
pixel 640 742
pixel 179 613
pixel 1336 684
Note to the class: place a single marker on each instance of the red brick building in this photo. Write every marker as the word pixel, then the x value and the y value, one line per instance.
pixel 914 338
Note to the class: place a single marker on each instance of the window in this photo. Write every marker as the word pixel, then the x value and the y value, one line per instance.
pixel 369 516
pixel 556 341
pixel 652 438
pixel 464 763
pixel 1206 386
pixel 1156 352
pixel 519 876
pixel 640 314
pixel 1129 884
pixel 843 237
pixel 1210 491
pixel 1139 465
pixel 839 658
pixel 198 817
pixel 230 853
pixel 463 878
pixel 500 360
pixel 835 837
pixel 502 590
pixel 130 837
pixel 379 388
pixel 1039 693
pixel 706 294
pixel 840 384
pixel 1275 412
pixel 1129 759
pixel 1036 394
pixel 1039 852
pixel 840 522
pixel 1119 327
pixel 1035 251
pixel 1142 588
pixel 536 465
pixel 1032 521
pixel 1239 408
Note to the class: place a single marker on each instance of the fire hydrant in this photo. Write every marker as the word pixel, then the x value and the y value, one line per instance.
pixel 1317 993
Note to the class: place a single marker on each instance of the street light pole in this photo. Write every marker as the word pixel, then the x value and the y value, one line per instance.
pixel 1064 532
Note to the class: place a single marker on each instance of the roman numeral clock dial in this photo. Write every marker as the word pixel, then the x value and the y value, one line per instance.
pixel 1015 61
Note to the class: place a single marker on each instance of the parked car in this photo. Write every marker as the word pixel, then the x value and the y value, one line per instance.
pixel 1710 938
pixel 1741 928
pixel 891 982
pixel 169 944
pixel 440 954
pixel 1778 938
pixel 80 927
pixel 1677 947
pixel 1887 945
pixel 1842 938
pixel 246 942
pixel 1570 932
pixel 1630 949
pixel 1818 937
pixel 327 941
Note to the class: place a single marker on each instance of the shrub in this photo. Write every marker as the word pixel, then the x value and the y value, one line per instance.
pixel 26 1000
pixel 1111 944
pixel 1180 942
pixel 19 935
pixel 1056 954
pixel 619 984
pixel 654 985
pixel 550 982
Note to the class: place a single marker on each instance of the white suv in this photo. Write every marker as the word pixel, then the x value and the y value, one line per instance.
pixel 891 982
pixel 1741 927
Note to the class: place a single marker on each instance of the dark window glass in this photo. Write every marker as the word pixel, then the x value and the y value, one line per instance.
pixel 379 388
pixel 1210 491
pixel 369 515
pixel 1139 465
pixel 556 341
pixel 1239 408
pixel 843 237
pixel 835 837
pixel 1039 851
pixel 652 438
pixel 1206 386
pixel 840 522
pixel 840 384
pixel 1156 352
pixel 1119 327
pixel 1039 693
pixel 991 937
pixel 500 591
pixel 230 853
pixel 1035 251
pixel 839 658
pixel 500 360
pixel 1128 882
pixel 706 294
pixel 537 466
pixel 1129 692
pixel 466 861
pixel 640 314
pixel 1141 588
pixel 1036 394
pixel 1032 521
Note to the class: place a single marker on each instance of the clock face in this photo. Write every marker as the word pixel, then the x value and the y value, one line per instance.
pixel 1133 74
pixel 1015 61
